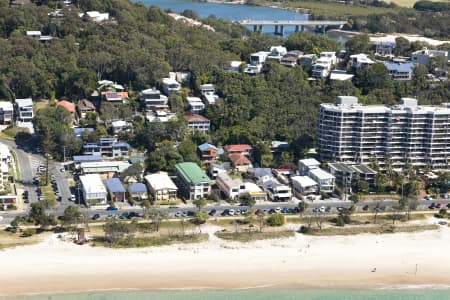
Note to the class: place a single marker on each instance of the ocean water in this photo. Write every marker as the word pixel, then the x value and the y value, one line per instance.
pixel 256 294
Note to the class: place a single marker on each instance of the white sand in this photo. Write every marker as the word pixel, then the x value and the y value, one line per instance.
pixel 410 37
pixel 55 266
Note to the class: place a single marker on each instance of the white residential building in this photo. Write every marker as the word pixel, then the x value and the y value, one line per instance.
pixel 322 67
pixel 304 185
pixel 94 192
pixel 277 191
pixel 161 186
pixel 5 154
pixel 330 56
pixel 208 93
pixel 170 85
pixel 24 110
pixel 359 61
pixel 153 100
pixel 231 188
pixel 196 105
pixel 324 180
pixel 119 126
pixel 277 53
pixel 257 61
pixel 6 112
pixel 95 16
pixel 306 165
pixel 404 133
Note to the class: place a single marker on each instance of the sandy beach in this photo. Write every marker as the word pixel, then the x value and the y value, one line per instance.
pixel 54 266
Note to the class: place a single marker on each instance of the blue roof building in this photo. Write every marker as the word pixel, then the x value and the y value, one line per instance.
pixel 116 189
pixel 107 146
pixel 209 152
pixel 138 191
pixel 78 159
pixel 400 71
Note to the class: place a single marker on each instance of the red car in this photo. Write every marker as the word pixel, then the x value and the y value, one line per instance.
pixel 438 206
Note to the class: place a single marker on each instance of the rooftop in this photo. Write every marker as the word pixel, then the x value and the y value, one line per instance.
pixel 321 174
pixel 24 102
pixel 86 158
pixel 85 104
pixel 304 181
pixel 192 173
pixel 239 159
pixel 228 181
pixel 160 181
pixel 67 105
pixel 92 183
pixel 114 185
pixel 137 187
pixel 238 148
pixel 195 118
pixel 309 162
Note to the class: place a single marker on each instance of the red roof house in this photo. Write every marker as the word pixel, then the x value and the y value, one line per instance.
pixel 240 162
pixel 239 149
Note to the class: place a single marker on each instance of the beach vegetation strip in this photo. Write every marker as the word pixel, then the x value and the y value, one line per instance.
pixel 250 236
pixel 150 241
pixel 332 231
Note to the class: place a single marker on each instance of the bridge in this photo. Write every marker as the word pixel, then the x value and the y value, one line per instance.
pixel 299 25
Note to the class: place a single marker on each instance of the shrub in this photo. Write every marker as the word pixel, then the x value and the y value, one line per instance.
pixel 29 232
pixel 276 220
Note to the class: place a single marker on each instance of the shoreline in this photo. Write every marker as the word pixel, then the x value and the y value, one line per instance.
pixel 413 260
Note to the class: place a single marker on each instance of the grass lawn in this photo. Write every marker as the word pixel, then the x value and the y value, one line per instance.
pixel 10 240
pixel 49 195
pixel 247 236
pixel 406 3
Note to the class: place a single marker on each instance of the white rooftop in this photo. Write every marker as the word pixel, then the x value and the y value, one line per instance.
pixel 24 102
pixel 194 100
pixel 304 181
pixel 4 151
pixel 119 123
pixel 160 181
pixel 321 174
pixel 33 33
pixel 310 162
pixel 6 105
pixel 92 183
pixel 170 81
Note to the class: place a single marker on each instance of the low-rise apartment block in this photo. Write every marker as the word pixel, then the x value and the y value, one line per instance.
pixel 192 181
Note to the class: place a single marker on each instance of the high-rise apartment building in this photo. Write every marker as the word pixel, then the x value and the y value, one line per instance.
pixel 403 133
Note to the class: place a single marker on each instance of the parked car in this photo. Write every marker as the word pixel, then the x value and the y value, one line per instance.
pixel 438 206
pixel 212 212
pixel 365 207
pixel 62 170
pixel 432 206
pixel 231 212
pixel 244 211
pixel 322 209
pixel 133 214
pixel 25 195
pixel 328 209
pixel 284 210
pixel 124 215
pixel 72 197
pixel 95 217
pixel 278 209
pixel 112 208
pixel 177 214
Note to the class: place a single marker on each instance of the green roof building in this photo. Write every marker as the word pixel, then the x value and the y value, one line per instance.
pixel 193 183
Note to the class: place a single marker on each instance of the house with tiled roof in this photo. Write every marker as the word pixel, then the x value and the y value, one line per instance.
pixel 240 162
pixel 69 106
pixel 85 106
pixel 197 123
pixel 243 149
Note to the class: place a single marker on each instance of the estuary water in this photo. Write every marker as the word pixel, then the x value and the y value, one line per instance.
pixel 257 294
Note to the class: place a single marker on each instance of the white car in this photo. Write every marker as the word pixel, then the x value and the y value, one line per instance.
pixel 278 209
pixel 177 214
pixel 72 197
pixel 322 209
pixel 231 212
